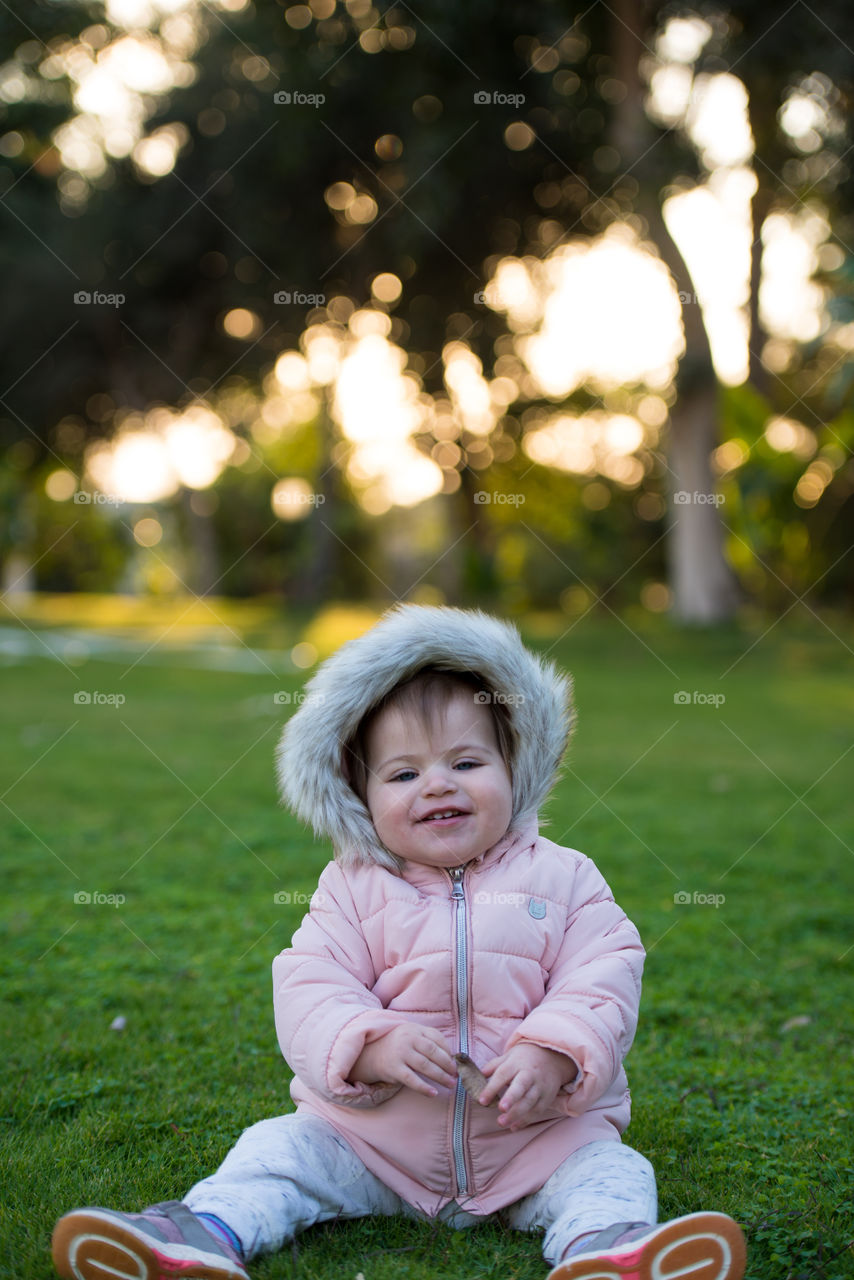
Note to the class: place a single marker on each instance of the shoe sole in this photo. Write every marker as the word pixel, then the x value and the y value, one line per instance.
pixel 700 1246
pixel 88 1245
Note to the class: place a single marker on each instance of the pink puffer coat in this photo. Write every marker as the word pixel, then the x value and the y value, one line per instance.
pixel 532 947
pixel 525 944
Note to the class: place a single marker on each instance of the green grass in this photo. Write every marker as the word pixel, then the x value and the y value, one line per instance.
pixel 741 1072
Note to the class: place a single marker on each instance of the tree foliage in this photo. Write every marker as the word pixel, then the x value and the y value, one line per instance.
pixel 449 185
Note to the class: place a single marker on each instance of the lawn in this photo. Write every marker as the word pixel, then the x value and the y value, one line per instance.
pixel 723 827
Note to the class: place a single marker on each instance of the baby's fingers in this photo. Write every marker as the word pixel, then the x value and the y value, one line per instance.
pixel 422 1060
pixel 439 1053
pixel 519 1105
pixel 414 1080
pixel 497 1083
pixel 435 1061
pixel 433 1071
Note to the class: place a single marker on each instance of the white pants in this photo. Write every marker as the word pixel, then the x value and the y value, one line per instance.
pixel 286 1174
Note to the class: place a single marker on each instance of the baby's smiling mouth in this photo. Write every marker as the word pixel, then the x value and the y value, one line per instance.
pixel 439 814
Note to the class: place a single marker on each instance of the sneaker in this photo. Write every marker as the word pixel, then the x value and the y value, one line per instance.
pixel 700 1246
pixel 164 1242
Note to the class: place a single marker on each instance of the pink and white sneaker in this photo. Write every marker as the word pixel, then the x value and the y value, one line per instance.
pixel 700 1246
pixel 166 1242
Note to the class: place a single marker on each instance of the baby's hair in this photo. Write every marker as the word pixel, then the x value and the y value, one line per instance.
pixel 426 695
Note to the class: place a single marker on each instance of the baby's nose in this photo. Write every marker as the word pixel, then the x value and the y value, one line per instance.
pixel 438 781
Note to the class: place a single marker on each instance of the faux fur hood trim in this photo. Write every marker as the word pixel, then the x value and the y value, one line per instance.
pixel 348 684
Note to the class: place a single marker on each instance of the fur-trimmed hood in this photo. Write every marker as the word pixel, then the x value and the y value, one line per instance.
pixel 347 685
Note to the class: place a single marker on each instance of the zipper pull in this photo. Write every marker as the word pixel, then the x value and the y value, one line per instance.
pixel 457 882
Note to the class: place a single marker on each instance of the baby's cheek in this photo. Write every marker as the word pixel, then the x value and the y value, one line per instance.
pixel 384 815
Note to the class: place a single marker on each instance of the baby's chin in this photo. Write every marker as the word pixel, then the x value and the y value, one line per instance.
pixel 446 856
pixel 446 862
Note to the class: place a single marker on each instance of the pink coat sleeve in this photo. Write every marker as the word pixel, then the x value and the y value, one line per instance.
pixel 325 1008
pixel 590 1009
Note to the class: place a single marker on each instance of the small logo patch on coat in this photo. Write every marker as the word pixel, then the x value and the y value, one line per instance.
pixel 536 908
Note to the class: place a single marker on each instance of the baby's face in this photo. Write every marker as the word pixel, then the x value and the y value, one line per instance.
pixel 453 767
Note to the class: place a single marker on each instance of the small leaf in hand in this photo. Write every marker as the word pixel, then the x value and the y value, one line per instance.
pixel 474 1081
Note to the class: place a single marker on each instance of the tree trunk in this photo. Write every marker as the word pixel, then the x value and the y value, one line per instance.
pixel 763 120
pixel 18 580
pixel 757 336
pixel 18 576
pixel 703 586
pixel 479 578
pixel 452 516
pixel 312 583
pixel 204 574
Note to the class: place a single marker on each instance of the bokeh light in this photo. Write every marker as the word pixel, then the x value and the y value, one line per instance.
pixel 607 310
pixel 151 456
pixel 386 287
pixel 60 485
pixel 148 531
pixel 292 498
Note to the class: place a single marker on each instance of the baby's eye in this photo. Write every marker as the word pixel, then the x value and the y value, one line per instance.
pixel 467 764
pixel 405 775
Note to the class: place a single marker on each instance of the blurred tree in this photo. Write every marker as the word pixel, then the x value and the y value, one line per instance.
pixel 702 581
pixel 225 199
pixel 798 71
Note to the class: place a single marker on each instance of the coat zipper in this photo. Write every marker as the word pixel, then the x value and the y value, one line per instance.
pixel 461 974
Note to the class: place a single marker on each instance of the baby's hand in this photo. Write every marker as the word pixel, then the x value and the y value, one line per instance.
pixel 528 1079
pixel 404 1056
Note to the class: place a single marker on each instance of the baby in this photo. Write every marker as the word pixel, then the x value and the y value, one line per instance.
pixel 447 936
